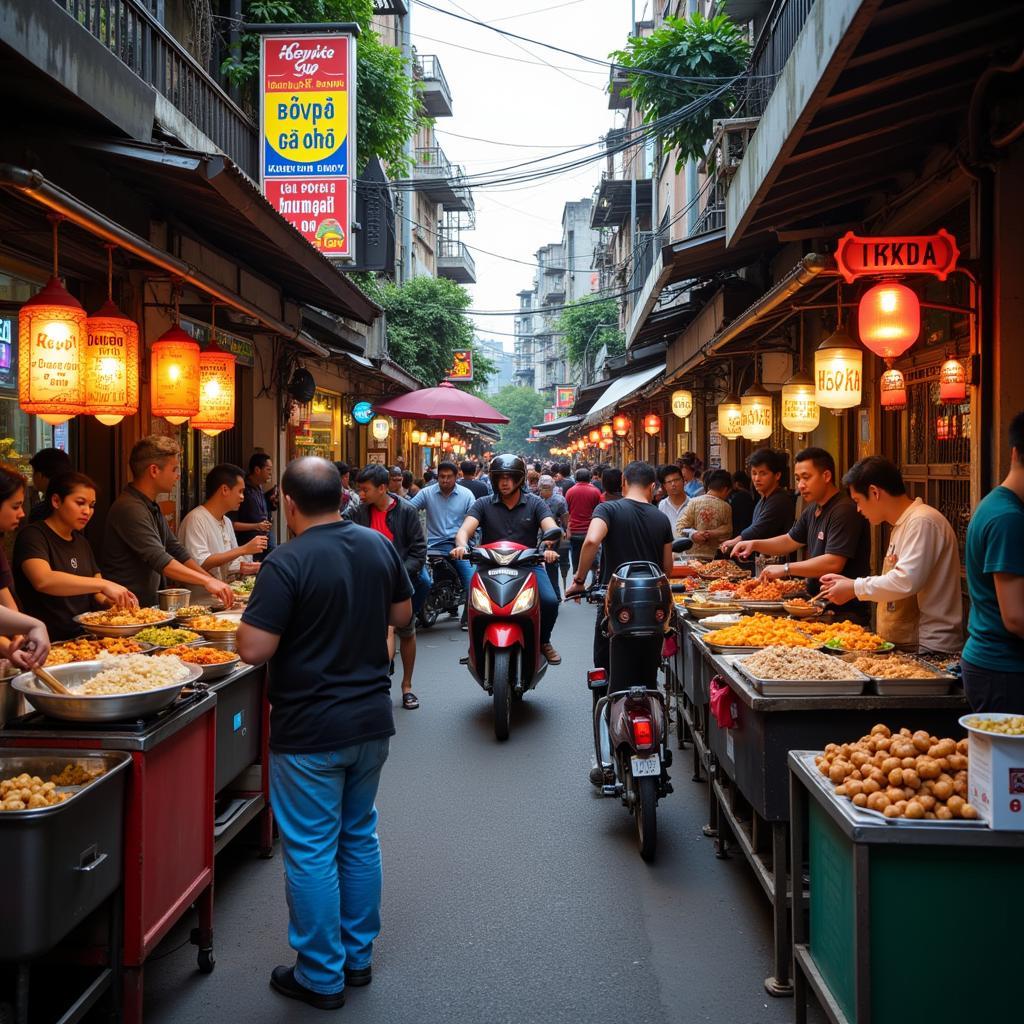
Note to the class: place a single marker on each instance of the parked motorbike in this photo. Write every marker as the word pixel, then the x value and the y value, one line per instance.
pixel 504 623
pixel 446 593
pixel 630 712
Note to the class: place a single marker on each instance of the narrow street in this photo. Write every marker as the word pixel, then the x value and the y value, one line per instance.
pixel 512 893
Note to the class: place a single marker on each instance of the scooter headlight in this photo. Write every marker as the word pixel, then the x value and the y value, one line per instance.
pixel 525 601
pixel 481 602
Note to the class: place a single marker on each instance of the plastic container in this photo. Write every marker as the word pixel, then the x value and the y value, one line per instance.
pixel 995 773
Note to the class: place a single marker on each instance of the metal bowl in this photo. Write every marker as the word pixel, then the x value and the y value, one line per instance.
pixel 220 634
pixel 171 599
pixel 100 629
pixel 101 708
pixel 210 672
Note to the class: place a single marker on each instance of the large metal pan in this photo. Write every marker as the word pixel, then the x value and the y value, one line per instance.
pixel 218 671
pixel 99 629
pixel 101 708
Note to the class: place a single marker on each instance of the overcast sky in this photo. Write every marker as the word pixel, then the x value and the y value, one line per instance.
pixel 532 109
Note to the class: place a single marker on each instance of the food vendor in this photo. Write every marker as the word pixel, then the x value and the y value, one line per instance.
pixel 836 536
pixel 776 506
pixel 918 592
pixel 707 519
pixel 138 546
pixel 254 518
pixel 208 534
pixel 55 572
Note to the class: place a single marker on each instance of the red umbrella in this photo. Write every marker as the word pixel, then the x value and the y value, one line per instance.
pixel 445 402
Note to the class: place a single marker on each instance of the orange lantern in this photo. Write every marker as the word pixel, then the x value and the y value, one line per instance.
pixel 216 392
pixel 621 425
pixel 606 432
pixel 51 338
pixel 894 391
pixel 605 444
pixel 889 319
pixel 111 365
pixel 174 376
pixel 595 436
pixel 952 382
pixel 652 424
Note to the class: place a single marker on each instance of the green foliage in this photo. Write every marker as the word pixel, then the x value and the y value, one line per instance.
pixel 688 48
pixel 426 325
pixel 387 113
pixel 581 323
pixel 524 407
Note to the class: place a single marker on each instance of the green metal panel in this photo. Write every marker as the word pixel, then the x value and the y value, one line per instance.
pixel 832 906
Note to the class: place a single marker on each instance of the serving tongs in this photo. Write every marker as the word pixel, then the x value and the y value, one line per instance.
pixel 51 681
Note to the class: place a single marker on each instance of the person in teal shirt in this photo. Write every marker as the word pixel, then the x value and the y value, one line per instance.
pixel 993 658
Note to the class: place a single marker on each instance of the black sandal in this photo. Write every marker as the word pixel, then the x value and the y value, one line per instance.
pixel 410 701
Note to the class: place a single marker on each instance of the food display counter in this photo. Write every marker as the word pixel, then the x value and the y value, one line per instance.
pixel 746 762
pixel 887 900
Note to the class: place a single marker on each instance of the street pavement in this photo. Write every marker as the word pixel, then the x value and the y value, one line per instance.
pixel 512 892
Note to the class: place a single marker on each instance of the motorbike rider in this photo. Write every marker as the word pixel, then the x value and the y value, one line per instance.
pixel 513 513
pixel 631 530
pixel 446 504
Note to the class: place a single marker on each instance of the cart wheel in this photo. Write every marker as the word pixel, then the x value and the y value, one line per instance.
pixel 207 961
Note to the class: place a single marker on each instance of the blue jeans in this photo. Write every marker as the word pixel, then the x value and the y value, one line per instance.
pixel 420 589
pixel 324 806
pixel 548 603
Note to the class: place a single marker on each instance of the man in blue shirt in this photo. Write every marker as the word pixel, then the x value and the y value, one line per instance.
pixel 446 505
pixel 993 658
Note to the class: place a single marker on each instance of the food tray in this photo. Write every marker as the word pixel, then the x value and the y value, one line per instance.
pixel 211 672
pixel 99 629
pixel 759 606
pixel 101 708
pixel 218 634
pixel 864 816
pixel 804 687
pixel 700 611
pixel 932 683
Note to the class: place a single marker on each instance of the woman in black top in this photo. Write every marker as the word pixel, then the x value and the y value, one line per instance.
pixel 55 570
pixel 12 511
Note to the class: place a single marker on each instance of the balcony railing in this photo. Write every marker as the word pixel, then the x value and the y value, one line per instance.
pixel 772 48
pixel 454 261
pixel 648 245
pixel 138 40
pixel 435 94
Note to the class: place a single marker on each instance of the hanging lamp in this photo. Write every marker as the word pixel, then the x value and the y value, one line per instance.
pixel 952 382
pixel 216 389
pixel 606 432
pixel 800 413
pixel 893 390
pixel 51 338
pixel 756 409
pixel 682 403
pixel 652 424
pixel 838 368
pixel 621 425
pixel 889 319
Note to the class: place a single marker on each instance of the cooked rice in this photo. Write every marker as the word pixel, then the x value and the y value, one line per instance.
pixel 134 673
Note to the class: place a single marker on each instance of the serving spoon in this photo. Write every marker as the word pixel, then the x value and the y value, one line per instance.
pixel 51 681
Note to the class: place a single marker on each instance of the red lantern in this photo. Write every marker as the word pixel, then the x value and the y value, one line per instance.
pixel 652 424
pixel 894 391
pixel 216 392
pixel 174 376
pixel 889 319
pixel 621 425
pixel 952 382
pixel 595 436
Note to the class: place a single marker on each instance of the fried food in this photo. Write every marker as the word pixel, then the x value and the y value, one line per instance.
pixel 214 623
pixel 26 792
pixel 124 617
pixel 894 666
pixel 1012 726
pixel 198 655
pixel 763 589
pixel 91 648
pixel 847 635
pixel 797 663
pixel 76 775
pixel 761 631
pixel 723 586
pixel 722 567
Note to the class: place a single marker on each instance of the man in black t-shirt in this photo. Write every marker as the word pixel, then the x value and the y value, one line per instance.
pixel 631 530
pixel 837 537
pixel 319 614
pixel 471 481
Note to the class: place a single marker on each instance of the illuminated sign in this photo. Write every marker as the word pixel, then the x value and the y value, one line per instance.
pixel 565 397
pixel 307 134
pixel 362 412
pixel 858 256
pixel 462 365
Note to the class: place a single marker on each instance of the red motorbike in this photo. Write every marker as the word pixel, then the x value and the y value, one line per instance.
pixel 504 623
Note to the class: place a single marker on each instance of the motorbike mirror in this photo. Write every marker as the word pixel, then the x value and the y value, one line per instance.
pixel 683 544
pixel 552 535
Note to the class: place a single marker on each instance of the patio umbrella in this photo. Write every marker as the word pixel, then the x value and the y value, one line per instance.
pixel 445 402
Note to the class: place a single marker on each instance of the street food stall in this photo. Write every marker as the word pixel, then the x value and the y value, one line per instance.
pixel 162 695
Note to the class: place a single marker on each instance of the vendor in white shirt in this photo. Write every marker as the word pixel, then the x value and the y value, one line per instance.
pixel 918 593
pixel 209 535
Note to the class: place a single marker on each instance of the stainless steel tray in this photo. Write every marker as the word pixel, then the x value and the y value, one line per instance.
pixel 804 687
pixel 101 708
pixel 98 629
pixel 932 683
pixel 210 672
pixel 723 649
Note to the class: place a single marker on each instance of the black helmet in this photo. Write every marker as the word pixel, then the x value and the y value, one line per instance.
pixel 507 465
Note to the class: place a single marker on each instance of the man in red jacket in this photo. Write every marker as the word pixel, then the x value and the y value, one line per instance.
pixel 582 498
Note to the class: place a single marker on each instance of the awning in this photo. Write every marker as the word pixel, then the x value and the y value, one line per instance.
pixel 552 427
pixel 210 195
pixel 614 202
pixel 619 390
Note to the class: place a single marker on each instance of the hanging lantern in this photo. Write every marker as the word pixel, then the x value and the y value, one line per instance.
pixel 952 382
pixel 621 425
pixel 756 413
pixel 380 428
pixel 652 424
pixel 889 319
pixel 51 337
pixel 595 436
pixel 216 392
pixel 682 403
pixel 606 432
pixel 894 391
pixel 730 417
pixel 838 367
pixel 174 376
pixel 800 413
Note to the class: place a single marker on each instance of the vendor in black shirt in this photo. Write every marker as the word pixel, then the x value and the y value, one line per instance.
pixel 513 513
pixel 832 530
pixel 776 506
pixel 55 572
